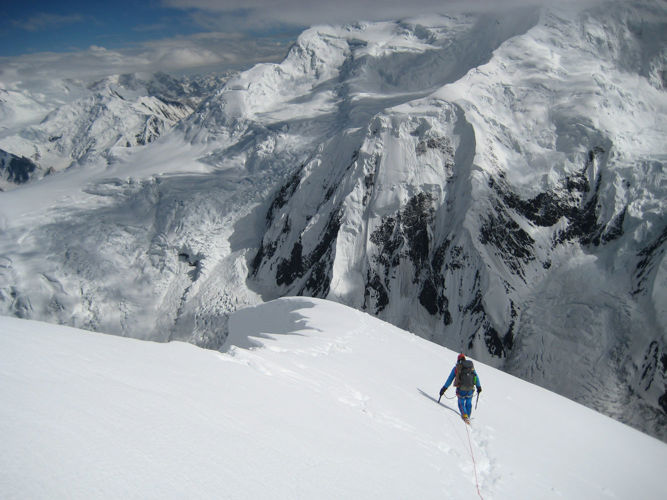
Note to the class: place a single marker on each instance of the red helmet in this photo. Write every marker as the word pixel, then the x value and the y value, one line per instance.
pixel 461 356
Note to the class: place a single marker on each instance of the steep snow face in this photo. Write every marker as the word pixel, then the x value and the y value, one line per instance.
pixel 308 399
pixel 492 183
pixel 54 125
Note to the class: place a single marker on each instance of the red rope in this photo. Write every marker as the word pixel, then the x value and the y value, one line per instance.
pixel 474 464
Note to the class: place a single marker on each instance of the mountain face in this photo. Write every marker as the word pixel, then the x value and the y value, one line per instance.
pixel 51 126
pixel 494 183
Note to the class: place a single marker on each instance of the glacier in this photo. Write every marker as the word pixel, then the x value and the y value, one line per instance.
pixel 491 182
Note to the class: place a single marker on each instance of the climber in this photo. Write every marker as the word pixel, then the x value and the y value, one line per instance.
pixel 465 380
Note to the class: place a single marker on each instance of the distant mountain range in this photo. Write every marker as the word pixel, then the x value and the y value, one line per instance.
pixel 50 126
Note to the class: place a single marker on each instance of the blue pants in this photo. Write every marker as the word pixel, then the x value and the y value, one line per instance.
pixel 465 401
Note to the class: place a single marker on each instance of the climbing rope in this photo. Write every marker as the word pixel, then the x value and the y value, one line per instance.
pixel 472 455
pixel 474 464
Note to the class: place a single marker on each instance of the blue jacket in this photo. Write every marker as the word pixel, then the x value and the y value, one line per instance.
pixel 450 379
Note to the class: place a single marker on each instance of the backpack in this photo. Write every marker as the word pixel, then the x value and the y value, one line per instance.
pixel 465 375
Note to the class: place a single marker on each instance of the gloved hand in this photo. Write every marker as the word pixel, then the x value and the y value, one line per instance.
pixel 479 389
pixel 442 390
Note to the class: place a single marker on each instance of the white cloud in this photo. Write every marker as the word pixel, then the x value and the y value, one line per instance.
pixel 204 51
pixel 257 14
pixel 223 47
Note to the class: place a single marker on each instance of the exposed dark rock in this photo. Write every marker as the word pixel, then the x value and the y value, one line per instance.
pixel 289 270
pixel 475 306
pixel 649 365
pixel 369 182
pixel 438 260
pixel 493 342
pixel 329 193
pixel 447 317
pixel 508 339
pixel 416 218
pixel 515 244
pixel 649 256
pixel 498 345
pixel 184 257
pixel 583 223
pixel 409 230
pixel 375 293
pixel 18 169
pixel 265 252
pixel 283 196
pixel 407 235
pixel 150 132
pixel 614 229
pixel 429 297
pixel 388 241
pixel 569 202
pixel 441 144
pixel 318 262
pixel 456 259
pixel 194 261
pixel 662 401
pixel 319 280
pixel 327 239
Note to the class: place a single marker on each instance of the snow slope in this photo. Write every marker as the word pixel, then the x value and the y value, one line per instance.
pixel 308 399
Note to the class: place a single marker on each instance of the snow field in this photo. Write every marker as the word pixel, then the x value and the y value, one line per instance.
pixel 309 399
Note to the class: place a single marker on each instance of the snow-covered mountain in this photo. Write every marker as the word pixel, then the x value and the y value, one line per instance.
pixel 50 126
pixel 308 399
pixel 494 183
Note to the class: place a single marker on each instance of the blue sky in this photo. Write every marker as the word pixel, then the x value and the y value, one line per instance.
pixel 73 38
pixel 65 26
